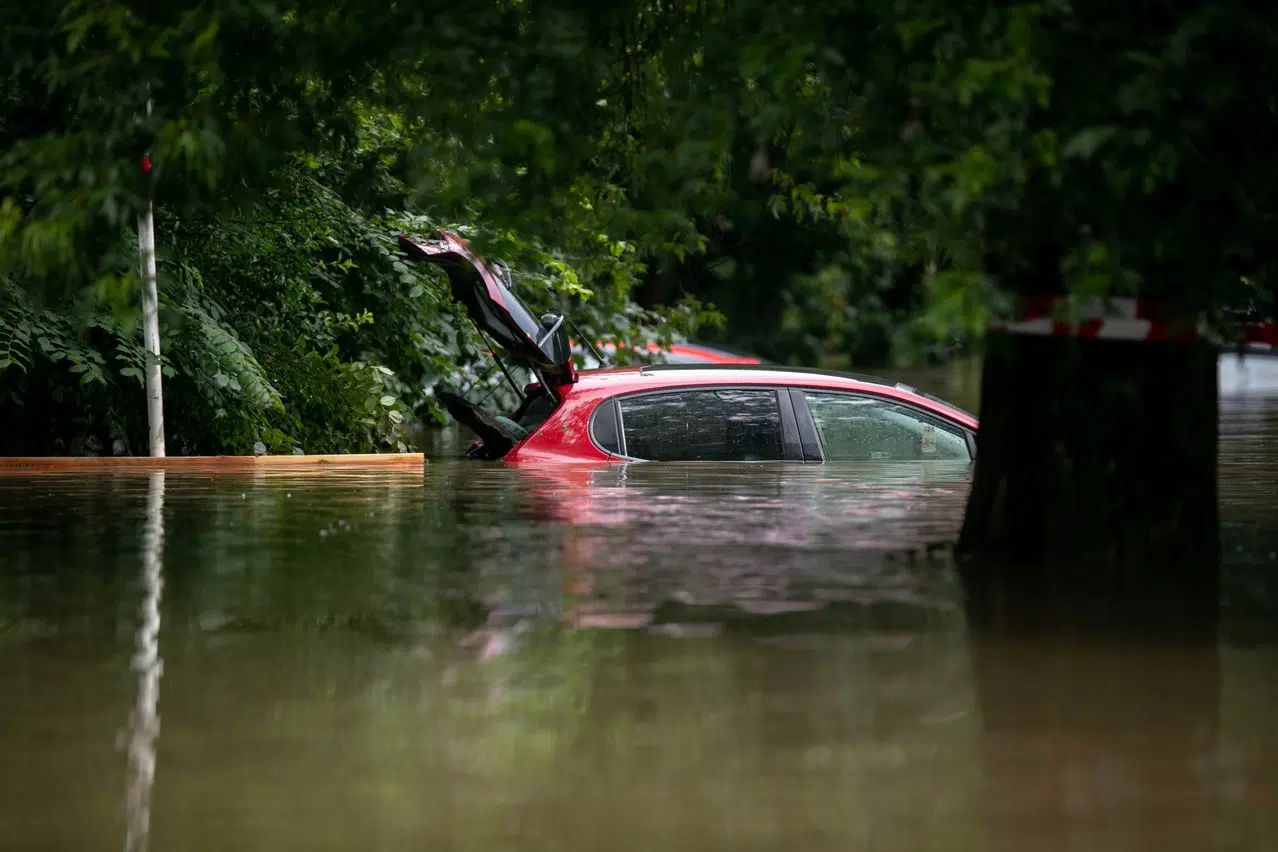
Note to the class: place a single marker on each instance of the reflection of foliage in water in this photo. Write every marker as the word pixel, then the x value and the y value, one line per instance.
pixel 529 705
pixel 316 624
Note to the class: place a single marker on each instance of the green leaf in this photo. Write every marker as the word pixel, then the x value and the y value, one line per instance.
pixel 1084 144
pixel 387 401
pixel 206 37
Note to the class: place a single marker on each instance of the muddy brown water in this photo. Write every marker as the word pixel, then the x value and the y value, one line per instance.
pixel 718 657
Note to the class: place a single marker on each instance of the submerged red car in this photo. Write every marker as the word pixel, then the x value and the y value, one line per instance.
pixel 679 412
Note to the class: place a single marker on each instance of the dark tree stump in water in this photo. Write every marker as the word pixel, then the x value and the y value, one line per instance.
pixel 1090 562
pixel 1098 449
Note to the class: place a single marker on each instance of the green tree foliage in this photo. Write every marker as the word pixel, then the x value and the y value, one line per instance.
pixel 872 178
pixel 280 139
pixel 965 154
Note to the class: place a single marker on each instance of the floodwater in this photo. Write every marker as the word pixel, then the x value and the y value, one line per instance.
pixel 651 657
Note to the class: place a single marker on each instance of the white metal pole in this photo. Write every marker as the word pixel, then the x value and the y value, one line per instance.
pixel 151 326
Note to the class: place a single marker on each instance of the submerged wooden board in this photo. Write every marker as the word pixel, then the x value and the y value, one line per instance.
pixel 212 464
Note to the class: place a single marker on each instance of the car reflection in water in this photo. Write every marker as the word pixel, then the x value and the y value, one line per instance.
pixel 690 539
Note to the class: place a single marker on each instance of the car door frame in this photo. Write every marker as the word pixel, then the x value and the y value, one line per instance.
pixel 810 439
pixel 791 444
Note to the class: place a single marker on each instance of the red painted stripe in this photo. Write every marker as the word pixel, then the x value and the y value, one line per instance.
pixel 1037 307
pixel 1089 328
pixel 1041 307
pixel 1265 332
pixel 1086 328
pixel 1103 329
pixel 1116 321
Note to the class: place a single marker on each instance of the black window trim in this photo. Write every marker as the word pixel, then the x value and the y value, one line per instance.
pixel 791 445
pixel 807 424
pixel 790 441
pixel 808 438
pixel 620 436
pixel 621 429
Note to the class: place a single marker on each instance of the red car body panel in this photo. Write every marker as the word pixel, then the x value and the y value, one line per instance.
pixel 564 437
pixel 711 355
pixel 686 352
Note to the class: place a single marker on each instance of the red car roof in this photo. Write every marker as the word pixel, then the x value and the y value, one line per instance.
pixel 611 380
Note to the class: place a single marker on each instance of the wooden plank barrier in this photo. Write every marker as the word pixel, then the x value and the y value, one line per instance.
pixel 405 462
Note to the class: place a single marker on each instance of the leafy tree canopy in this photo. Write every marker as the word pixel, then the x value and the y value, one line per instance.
pixel 870 178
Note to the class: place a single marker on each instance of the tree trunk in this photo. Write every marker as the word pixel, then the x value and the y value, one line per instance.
pixel 1090 565
pixel 1098 449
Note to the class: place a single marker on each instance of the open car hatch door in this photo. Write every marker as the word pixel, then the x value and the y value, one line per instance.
pixel 540 344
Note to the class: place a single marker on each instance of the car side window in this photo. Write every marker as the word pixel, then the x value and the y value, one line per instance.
pixel 724 424
pixel 863 428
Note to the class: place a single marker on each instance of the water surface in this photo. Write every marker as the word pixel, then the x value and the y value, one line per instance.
pixel 718 657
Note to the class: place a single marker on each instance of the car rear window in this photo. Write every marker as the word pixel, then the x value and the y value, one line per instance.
pixel 720 424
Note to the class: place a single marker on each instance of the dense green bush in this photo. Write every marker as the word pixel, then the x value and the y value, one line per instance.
pixel 296 326
pixel 290 321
